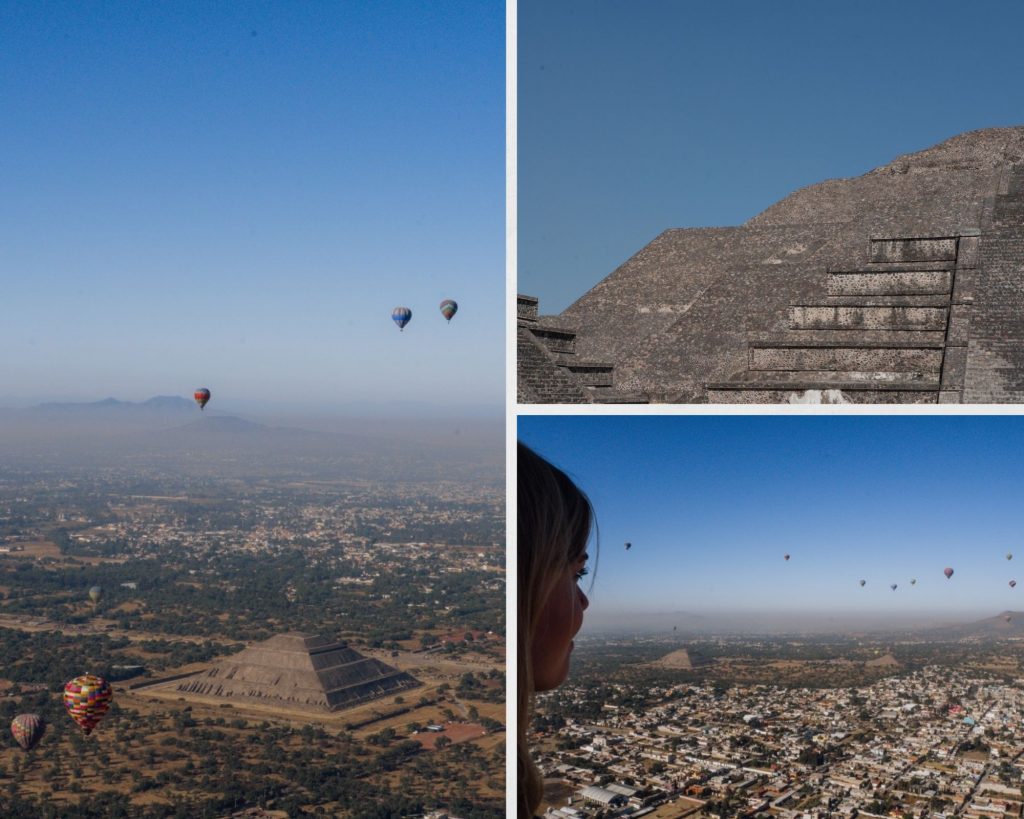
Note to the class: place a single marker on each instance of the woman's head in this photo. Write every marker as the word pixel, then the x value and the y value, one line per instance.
pixel 554 524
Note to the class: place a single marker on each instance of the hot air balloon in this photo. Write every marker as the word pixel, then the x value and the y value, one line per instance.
pixel 862 582
pixel 95 593
pixel 628 546
pixel 1009 555
pixel 948 572
pixel 401 316
pixel 1007 618
pixel 1013 583
pixel 913 581
pixel 448 309
pixel 28 729
pixel 202 395
pixel 87 699
pixel 785 557
pixel 893 587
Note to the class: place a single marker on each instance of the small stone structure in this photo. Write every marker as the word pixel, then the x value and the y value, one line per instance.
pixel 904 285
pixel 297 670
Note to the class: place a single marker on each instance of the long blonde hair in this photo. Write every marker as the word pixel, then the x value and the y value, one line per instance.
pixel 553 526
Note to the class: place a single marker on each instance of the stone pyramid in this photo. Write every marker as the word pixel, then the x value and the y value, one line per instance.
pixel 299 671
pixel 902 285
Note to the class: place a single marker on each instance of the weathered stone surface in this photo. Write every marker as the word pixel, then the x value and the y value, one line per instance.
pixel 818 396
pixel 526 308
pixel 912 250
pixel 681 314
pixel 869 318
pixel 888 282
pixel 540 379
pixel 845 358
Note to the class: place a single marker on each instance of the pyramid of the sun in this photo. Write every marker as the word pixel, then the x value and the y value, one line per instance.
pixel 903 285
pixel 299 671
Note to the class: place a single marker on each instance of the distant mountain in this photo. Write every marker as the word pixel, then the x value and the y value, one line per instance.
pixel 160 406
pixel 1005 624
pixel 171 433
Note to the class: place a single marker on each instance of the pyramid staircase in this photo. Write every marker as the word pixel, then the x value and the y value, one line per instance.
pixel 892 331
pixel 558 344
pixel 296 670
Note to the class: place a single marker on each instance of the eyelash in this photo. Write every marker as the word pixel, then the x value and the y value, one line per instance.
pixel 581 574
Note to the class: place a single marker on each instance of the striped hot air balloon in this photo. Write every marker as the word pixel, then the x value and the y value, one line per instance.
pixel 401 316
pixel 202 395
pixel 28 729
pixel 87 699
pixel 449 308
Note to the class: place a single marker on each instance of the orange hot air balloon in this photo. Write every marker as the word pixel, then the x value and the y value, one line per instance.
pixel 87 699
pixel 202 396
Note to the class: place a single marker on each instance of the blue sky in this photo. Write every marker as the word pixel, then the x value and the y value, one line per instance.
pixel 635 117
pixel 236 195
pixel 712 504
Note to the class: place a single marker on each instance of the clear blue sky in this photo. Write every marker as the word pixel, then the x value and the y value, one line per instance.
pixel 236 195
pixel 711 505
pixel 635 117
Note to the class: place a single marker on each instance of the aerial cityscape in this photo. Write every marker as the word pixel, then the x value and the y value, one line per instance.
pixel 339 617
pixel 790 617
pixel 755 728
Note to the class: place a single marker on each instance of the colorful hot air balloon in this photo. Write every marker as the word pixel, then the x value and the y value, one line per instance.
pixel 87 699
pixel 95 594
pixel 785 557
pixel 28 729
pixel 1013 583
pixel 893 587
pixel 401 316
pixel 448 309
pixel 202 395
pixel 948 572
pixel 862 582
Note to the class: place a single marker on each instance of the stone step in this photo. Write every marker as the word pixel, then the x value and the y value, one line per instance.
pixel 901 267
pixel 818 317
pixel 601 397
pixel 591 374
pixel 555 339
pixel 917 249
pixel 526 307
pixel 889 282
pixel 886 301
pixel 860 359
pixel 850 338
pixel 766 393
pixel 829 377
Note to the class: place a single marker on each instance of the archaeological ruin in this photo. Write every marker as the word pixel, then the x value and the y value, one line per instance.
pixel 901 286
pixel 297 671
